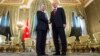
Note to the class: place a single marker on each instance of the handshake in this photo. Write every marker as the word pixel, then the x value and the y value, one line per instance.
pixel 64 25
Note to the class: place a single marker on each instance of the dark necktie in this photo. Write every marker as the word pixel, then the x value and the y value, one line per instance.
pixel 54 11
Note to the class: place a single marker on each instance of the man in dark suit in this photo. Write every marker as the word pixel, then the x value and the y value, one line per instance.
pixel 41 29
pixel 58 21
pixel 8 34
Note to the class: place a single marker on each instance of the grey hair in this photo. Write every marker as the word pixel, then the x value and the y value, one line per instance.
pixel 40 6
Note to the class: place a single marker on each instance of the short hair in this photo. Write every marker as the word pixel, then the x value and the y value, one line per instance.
pixel 40 6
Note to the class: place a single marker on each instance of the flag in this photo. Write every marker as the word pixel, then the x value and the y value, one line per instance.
pixel 26 33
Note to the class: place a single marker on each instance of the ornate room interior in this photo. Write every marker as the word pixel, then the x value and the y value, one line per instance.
pixel 82 29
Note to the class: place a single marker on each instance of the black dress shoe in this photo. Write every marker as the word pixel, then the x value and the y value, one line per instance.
pixel 63 54
pixel 56 54
pixel 45 55
pixel 42 55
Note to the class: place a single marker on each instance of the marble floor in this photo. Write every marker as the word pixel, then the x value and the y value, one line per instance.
pixel 34 54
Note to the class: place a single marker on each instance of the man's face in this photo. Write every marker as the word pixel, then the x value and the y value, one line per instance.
pixel 54 5
pixel 43 7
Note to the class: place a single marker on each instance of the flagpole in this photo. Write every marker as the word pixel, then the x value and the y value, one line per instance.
pixel 19 25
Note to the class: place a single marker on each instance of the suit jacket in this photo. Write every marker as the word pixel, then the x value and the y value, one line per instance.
pixel 58 18
pixel 42 23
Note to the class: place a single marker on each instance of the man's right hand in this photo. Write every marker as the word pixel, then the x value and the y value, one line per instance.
pixel 49 22
pixel 64 25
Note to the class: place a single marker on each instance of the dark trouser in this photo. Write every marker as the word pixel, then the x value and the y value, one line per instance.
pixel 23 45
pixel 41 42
pixel 8 38
pixel 59 35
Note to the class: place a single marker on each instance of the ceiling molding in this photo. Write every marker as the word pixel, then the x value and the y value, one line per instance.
pixel 26 5
pixel 88 3
pixel 1 1
pixel 10 2
pixel 68 3
pixel 85 3
pixel 79 1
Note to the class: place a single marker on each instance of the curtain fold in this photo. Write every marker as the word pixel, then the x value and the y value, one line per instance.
pixel 32 14
pixel 68 12
pixel 5 23
pixel 13 20
pixel 76 29
pixel 5 20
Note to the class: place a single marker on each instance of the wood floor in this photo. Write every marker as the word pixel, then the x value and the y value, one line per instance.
pixel 34 54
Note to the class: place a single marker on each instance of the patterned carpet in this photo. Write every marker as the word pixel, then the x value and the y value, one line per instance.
pixel 34 54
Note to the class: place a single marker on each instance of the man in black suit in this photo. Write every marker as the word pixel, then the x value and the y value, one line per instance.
pixel 58 21
pixel 8 34
pixel 41 29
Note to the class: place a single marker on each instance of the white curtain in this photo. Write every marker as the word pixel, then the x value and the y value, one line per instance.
pixel 13 16
pixel 83 25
